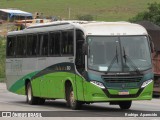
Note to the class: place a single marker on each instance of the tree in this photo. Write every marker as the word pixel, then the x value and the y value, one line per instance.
pixel 152 14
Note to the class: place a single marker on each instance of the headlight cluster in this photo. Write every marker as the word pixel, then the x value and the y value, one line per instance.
pixel 99 84
pixel 146 83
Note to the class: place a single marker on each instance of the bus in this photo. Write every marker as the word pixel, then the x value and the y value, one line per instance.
pixel 80 61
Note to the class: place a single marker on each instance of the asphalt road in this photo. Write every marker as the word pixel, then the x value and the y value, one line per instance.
pixel 57 108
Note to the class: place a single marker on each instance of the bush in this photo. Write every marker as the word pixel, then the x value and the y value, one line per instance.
pixel 85 17
pixel 152 14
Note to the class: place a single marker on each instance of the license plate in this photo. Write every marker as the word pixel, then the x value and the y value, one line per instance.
pixel 123 93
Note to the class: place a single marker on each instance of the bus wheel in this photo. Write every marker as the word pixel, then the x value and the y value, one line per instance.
pixel 74 104
pixel 30 98
pixel 125 104
pixel 41 101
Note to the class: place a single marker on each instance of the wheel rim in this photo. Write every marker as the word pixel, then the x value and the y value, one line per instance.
pixel 72 100
pixel 29 94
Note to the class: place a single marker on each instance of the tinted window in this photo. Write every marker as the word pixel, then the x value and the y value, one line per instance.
pixel 54 46
pixel 11 44
pixel 67 43
pixel 31 45
pixel 21 46
pixel 43 44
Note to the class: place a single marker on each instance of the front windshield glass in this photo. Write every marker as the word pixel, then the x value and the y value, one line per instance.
pixel 136 52
pixel 120 54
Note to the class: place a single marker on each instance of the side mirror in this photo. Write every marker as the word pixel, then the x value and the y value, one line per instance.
pixel 84 49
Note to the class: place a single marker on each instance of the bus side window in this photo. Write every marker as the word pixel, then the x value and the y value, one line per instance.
pixel 70 42
pixel 31 45
pixel 11 44
pixel 67 43
pixel 21 46
pixel 54 43
pixel 57 43
pixel 43 44
pixel 34 45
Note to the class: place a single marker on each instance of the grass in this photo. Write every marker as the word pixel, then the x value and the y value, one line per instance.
pixel 106 10
pixel 2 80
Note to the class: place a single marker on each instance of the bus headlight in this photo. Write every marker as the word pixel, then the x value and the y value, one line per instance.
pixel 146 83
pixel 99 84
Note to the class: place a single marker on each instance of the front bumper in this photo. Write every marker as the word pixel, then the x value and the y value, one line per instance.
pixel 93 93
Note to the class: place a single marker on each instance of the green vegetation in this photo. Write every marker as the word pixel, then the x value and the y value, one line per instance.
pixel 2 58
pixel 153 14
pixel 2 80
pixel 85 17
pixel 106 10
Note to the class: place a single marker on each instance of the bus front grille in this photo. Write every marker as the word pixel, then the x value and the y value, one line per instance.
pixel 127 81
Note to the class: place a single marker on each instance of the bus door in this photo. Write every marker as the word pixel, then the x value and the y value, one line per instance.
pixel 80 64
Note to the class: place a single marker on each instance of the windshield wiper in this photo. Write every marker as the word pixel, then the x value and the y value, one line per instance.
pixel 126 57
pixel 113 60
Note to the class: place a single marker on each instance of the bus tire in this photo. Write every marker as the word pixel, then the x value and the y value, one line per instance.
pixel 71 102
pixel 125 104
pixel 30 98
pixel 41 101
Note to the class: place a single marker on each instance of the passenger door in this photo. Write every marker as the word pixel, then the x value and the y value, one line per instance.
pixel 80 64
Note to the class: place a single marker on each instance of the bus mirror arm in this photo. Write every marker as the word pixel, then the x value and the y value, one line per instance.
pixel 152 47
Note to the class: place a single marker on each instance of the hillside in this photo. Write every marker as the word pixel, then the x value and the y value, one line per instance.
pixel 107 10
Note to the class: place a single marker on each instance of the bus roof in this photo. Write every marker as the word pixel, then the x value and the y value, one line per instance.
pixel 88 27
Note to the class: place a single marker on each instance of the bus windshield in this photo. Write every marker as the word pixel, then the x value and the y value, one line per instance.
pixel 119 53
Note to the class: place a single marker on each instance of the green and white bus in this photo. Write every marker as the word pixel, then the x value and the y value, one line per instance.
pixel 82 62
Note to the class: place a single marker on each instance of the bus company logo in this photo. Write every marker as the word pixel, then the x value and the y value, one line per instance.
pixel 63 68
pixel 123 85
pixel 6 114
